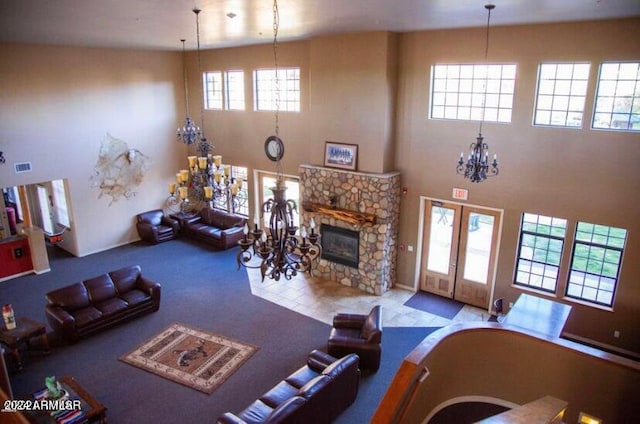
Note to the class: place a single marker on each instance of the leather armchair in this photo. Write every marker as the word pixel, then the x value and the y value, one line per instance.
pixel 360 334
pixel 154 227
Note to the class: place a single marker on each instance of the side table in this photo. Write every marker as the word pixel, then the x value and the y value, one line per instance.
pixel 181 217
pixel 26 329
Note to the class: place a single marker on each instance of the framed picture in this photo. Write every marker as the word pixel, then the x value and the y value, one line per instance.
pixel 341 155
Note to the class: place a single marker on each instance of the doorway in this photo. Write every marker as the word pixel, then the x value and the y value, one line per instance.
pixel 459 251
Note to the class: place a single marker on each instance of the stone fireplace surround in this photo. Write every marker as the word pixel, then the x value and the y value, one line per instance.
pixel 375 194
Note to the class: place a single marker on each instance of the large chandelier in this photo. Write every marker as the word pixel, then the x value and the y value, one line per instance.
pixel 189 132
pixel 207 182
pixel 477 166
pixel 278 250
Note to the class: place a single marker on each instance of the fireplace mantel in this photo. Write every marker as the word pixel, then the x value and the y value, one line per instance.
pixel 352 217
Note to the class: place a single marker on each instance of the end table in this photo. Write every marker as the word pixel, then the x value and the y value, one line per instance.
pixel 26 329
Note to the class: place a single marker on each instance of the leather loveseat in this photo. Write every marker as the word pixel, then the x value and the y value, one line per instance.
pixel 314 394
pixel 215 227
pixel 83 308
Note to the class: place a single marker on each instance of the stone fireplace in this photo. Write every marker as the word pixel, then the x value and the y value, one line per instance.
pixel 359 203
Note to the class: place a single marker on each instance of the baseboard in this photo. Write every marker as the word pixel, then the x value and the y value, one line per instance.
pixel 124 243
pixel 603 346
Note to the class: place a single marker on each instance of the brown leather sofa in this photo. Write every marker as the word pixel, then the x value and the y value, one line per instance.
pixel 215 227
pixel 92 305
pixel 315 394
pixel 360 334
pixel 155 227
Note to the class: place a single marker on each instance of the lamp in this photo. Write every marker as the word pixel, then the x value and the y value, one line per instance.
pixel 278 250
pixel 477 167
pixel 207 181
pixel 189 132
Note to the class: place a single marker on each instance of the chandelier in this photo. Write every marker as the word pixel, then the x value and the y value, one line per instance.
pixel 190 132
pixel 207 182
pixel 477 166
pixel 278 250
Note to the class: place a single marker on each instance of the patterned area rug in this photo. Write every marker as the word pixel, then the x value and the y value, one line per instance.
pixel 195 358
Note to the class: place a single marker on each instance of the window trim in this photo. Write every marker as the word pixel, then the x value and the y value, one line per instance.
pixel 596 96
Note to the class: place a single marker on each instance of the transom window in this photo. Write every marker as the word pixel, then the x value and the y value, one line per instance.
pixel 234 84
pixel 618 97
pixel 562 90
pixel 597 256
pixel 213 90
pixel 281 92
pixel 476 92
pixel 540 251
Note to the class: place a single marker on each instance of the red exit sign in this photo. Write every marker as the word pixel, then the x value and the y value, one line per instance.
pixel 460 194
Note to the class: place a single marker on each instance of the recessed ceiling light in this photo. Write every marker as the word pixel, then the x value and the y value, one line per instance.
pixel 231 15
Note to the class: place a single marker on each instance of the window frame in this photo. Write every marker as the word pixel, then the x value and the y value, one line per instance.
pixel 480 94
pixel 599 100
pixel 229 98
pixel 538 234
pixel 209 99
pixel 289 97
pixel 589 245
pixel 556 97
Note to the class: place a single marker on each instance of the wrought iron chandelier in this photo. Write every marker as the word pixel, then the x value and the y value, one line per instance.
pixel 207 182
pixel 189 132
pixel 477 166
pixel 278 250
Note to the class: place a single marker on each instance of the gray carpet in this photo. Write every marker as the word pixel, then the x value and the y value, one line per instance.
pixel 200 287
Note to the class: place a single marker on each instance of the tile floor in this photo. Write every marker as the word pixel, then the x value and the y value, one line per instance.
pixel 322 299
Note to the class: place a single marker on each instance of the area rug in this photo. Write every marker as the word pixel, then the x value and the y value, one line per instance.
pixel 189 356
pixel 434 304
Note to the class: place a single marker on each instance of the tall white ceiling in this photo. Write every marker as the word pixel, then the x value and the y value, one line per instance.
pixel 160 24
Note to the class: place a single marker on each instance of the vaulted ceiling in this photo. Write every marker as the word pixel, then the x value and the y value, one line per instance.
pixel 160 24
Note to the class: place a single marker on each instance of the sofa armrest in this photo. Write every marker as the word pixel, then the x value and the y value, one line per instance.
pixel 349 321
pixel 154 289
pixel 170 222
pixel 61 322
pixel 319 360
pixel 146 230
pixel 192 220
pixel 229 418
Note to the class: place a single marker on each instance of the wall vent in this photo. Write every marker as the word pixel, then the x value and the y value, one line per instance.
pixel 22 167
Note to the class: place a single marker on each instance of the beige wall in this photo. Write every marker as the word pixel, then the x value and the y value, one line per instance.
pixel 60 102
pixel 576 174
pixel 57 106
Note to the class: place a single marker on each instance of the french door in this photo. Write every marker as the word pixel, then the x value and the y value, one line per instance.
pixel 459 251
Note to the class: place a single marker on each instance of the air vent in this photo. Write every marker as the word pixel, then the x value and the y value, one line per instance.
pixel 22 167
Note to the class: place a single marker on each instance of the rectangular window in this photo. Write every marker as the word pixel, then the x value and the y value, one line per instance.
pixel 213 90
pixel 237 183
pixel 277 92
pixel 540 251
pixel 473 92
pixel 241 201
pixel 595 266
pixel 562 90
pixel 618 97
pixel 60 203
pixel 234 90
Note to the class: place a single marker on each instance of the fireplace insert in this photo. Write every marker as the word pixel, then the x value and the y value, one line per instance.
pixel 340 245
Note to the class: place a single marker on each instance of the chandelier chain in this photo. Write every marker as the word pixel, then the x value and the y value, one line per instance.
pixel 489 8
pixel 197 12
pixel 184 76
pixel 276 27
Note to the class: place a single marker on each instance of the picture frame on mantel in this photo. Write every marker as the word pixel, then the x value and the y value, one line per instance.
pixel 341 155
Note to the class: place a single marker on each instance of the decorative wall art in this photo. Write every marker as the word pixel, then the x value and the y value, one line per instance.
pixel 341 155
pixel 119 169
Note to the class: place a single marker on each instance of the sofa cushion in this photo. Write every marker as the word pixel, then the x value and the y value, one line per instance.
pixel 285 409
pixel 111 306
pixel 338 367
pixel 125 278
pixel 257 412
pixel 70 298
pixel 314 386
pixel 301 377
pixel 134 297
pixel 100 288
pixel 86 316
pixel 281 392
